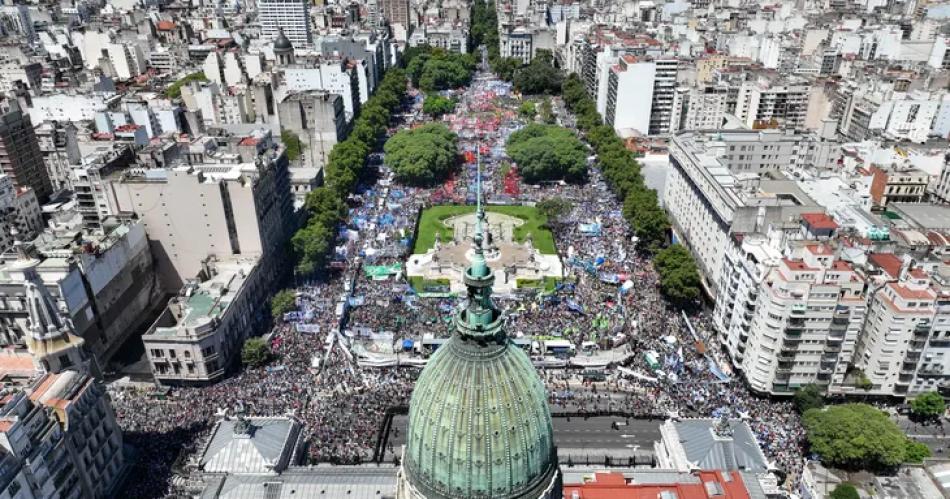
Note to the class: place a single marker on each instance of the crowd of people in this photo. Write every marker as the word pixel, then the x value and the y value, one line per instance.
pixel 608 298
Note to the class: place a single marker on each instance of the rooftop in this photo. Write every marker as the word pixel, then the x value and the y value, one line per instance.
pixel 201 304
pixel 252 445
pixel 671 485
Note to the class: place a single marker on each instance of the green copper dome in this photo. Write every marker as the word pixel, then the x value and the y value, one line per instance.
pixel 479 423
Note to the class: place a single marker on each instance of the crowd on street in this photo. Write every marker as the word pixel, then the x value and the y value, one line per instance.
pixel 609 298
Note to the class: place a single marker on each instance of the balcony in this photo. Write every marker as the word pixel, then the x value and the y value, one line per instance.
pixel 794 332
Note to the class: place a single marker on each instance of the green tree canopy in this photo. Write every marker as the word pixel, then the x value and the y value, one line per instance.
pixel 282 302
pixel 540 76
pixel 505 67
pixel 928 405
pixel 546 111
pixel 858 436
pixel 292 142
pixel 436 69
pixel 648 221
pixel 422 157
pixel 174 90
pixel 255 352
pixel 845 491
pixel 436 105
pixel 808 397
pixel 554 208
pixel 679 279
pixel 311 244
pixel 546 153
pixel 526 110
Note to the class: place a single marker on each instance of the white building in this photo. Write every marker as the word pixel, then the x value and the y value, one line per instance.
pixel 732 181
pixel 290 16
pixel 630 95
pixel 770 102
pixel 227 202
pixel 904 350
pixel 127 60
pixel 805 323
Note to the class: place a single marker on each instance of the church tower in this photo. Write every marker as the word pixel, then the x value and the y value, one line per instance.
pixel 283 50
pixel 479 423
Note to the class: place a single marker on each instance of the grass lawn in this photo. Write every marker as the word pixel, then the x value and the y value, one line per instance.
pixel 430 224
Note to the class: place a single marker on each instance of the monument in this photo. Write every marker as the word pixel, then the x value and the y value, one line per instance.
pixel 479 423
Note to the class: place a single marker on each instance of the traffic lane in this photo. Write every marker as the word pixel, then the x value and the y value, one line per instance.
pixel 577 433
pixel 599 433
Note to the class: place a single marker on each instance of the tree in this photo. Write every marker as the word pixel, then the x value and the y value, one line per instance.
pixel 422 157
pixel 679 279
pixel 648 221
pixel 311 245
pixel 282 302
pixel 546 153
pixel 526 110
pixel 554 208
pixel 540 76
pixel 858 436
pixel 292 142
pixel 928 405
pixel 547 112
pixel 915 452
pixel 808 397
pixel 325 207
pixel 845 491
pixel 174 90
pixel 436 105
pixel 255 352
pixel 505 67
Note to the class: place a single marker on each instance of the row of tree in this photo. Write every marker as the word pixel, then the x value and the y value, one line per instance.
pixel 679 277
pixel 326 205
pixel 547 153
pixel 423 156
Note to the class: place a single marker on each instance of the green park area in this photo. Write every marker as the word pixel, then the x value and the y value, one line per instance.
pixel 430 224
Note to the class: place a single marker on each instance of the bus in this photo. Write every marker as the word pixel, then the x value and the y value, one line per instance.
pixel 558 348
pixel 652 360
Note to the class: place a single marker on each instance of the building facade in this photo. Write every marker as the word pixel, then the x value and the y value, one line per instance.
pixel 201 333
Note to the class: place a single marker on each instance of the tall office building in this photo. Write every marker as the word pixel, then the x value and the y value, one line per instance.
pixel 290 16
pixel 20 155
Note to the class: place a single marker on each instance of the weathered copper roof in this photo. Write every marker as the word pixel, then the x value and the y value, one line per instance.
pixel 479 423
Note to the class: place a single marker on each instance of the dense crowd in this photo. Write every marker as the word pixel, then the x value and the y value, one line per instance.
pixel 609 298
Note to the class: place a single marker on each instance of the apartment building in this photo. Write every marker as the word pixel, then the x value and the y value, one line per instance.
pixel 900 318
pixel 100 288
pixel 396 11
pixel 292 17
pixel 93 438
pixel 61 439
pixel 318 118
pixel 20 155
pixel 20 215
pixel 805 323
pixel 642 96
pixel 732 181
pixel 230 196
pixel 705 107
pixel 201 332
pixel 898 185
pixel 770 101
